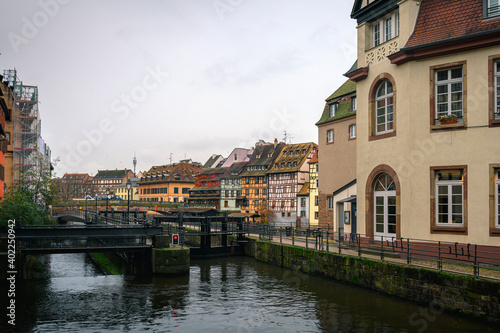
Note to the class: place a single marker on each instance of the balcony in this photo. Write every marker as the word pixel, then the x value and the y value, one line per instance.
pixel 382 51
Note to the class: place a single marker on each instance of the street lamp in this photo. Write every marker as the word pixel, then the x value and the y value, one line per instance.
pixel 86 207
pixel 129 185
pixel 107 202
pixel 96 212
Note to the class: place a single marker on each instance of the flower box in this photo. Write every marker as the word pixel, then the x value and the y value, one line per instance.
pixel 448 121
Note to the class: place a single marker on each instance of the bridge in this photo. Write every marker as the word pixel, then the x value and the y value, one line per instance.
pixel 85 239
pixel 102 232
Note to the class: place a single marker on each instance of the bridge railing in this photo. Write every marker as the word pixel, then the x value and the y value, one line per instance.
pixel 94 243
pixel 105 217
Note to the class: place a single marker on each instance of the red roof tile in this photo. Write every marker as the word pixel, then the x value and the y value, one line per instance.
pixel 314 159
pixel 440 20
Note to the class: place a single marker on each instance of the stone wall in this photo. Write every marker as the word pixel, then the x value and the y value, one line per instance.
pixel 437 291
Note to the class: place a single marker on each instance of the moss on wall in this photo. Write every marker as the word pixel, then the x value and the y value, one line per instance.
pixel 105 264
pixel 454 293
pixel 172 260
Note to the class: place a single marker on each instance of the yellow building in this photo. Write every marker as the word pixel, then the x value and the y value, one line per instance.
pixel 122 192
pixel 313 191
pixel 428 80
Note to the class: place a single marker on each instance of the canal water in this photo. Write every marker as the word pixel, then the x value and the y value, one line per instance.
pixel 235 294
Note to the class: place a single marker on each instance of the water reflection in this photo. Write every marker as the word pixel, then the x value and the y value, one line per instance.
pixel 220 295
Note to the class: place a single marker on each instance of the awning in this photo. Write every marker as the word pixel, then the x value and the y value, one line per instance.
pixel 352 198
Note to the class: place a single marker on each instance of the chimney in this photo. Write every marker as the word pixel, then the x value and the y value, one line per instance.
pixel 275 142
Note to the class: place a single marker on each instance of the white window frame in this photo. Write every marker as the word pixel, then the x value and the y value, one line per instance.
pixel 388 28
pixel 449 184
pixel 353 104
pixel 330 203
pixel 385 98
pixel 493 3
pixel 352 131
pixel 385 29
pixel 329 136
pixel 449 82
pixel 333 110
pixel 316 181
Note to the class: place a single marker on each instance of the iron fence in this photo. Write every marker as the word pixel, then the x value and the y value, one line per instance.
pixel 464 258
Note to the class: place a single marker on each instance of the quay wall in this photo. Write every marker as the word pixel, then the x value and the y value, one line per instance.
pixel 436 291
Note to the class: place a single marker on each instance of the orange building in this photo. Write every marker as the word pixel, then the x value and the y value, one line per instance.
pixel 6 107
pixel 168 183
pixel 254 178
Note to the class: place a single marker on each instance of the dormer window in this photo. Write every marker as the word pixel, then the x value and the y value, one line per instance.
pixel 385 29
pixel 333 109
pixel 353 104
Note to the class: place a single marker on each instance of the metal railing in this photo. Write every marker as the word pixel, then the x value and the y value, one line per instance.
pixel 463 258
pixel 94 243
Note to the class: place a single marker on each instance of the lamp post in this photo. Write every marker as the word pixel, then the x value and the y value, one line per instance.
pixel 107 203
pixel 96 212
pixel 86 207
pixel 129 185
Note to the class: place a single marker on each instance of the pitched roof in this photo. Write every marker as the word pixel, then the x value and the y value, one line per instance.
pixel 342 96
pixel 291 161
pixel 177 172
pixel 346 88
pixel 213 161
pixel 443 20
pixel 304 190
pixel 314 159
pixel 234 170
pixel 263 156
pixel 111 174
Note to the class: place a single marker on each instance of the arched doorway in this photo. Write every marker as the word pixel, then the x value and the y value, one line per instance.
pixel 384 213
pixel 382 210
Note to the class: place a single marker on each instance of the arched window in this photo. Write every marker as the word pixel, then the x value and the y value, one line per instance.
pixel 384 108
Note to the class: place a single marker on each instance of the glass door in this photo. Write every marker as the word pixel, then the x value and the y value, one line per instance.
pixel 384 208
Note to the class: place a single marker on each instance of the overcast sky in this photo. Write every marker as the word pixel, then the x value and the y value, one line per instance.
pixel 175 79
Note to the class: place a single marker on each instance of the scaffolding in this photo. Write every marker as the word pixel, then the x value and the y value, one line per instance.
pixel 28 147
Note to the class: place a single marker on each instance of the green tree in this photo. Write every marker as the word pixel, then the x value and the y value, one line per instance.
pixel 28 200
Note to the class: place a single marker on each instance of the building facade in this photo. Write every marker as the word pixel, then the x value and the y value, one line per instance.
pixel 6 145
pixel 289 172
pixel 337 143
pixel 75 186
pixel 230 194
pixel 122 192
pixel 168 183
pixel 255 180
pixel 428 122
pixel 206 192
pixel 109 179
pixel 238 155
pixel 303 201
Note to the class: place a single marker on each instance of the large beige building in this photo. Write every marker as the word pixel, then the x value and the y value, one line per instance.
pixel 337 157
pixel 428 153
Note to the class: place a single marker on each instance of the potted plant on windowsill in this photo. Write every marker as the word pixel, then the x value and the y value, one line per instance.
pixel 448 119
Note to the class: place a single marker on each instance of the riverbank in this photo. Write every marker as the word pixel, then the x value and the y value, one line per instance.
pixel 436 291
